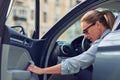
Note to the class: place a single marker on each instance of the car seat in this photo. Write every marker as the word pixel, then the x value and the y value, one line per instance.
pixel 116 25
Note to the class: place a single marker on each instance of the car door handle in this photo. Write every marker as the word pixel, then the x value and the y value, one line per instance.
pixel 27 43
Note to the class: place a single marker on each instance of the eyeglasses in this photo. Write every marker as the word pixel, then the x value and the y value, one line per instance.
pixel 85 31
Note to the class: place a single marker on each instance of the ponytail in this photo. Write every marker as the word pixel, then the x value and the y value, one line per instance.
pixel 109 17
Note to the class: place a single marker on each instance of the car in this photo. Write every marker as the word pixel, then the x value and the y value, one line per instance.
pixel 17 50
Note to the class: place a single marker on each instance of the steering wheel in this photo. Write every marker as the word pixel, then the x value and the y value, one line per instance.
pixel 85 45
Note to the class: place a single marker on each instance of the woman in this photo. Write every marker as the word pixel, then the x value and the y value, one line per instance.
pixel 95 25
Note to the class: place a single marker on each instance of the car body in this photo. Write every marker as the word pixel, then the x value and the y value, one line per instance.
pixel 16 50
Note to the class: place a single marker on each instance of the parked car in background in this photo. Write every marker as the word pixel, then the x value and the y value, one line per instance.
pixel 63 40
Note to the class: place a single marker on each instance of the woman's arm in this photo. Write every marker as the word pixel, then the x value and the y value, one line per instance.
pixel 71 65
pixel 49 70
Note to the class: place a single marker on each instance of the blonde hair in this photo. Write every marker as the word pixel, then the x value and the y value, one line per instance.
pixel 106 17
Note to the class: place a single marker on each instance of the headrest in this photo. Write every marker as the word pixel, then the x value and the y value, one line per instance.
pixel 116 25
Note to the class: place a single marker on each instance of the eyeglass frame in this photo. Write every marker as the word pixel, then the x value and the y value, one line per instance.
pixel 85 31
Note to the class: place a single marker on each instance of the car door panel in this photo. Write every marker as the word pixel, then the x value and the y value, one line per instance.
pixel 107 66
pixel 32 46
pixel 14 60
pixel 16 55
pixel 14 63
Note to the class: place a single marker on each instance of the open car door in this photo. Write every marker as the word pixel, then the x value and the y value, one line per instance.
pixel 15 50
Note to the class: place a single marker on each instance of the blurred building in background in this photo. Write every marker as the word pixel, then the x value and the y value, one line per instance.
pixel 53 10
pixel 23 14
pixel 50 12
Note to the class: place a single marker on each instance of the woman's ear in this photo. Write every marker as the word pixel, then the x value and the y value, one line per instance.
pixel 98 24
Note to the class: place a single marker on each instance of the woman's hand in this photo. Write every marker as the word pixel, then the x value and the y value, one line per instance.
pixel 49 70
pixel 35 69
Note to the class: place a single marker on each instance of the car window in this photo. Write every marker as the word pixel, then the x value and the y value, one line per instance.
pixel 71 33
pixel 22 15
pixel 49 17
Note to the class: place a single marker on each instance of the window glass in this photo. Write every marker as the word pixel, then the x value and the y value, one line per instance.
pixel 52 11
pixel 71 33
pixel 23 14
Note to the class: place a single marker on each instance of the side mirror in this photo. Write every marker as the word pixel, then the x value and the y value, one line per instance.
pixel 19 29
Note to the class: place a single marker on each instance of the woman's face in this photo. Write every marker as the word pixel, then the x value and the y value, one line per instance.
pixel 91 30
